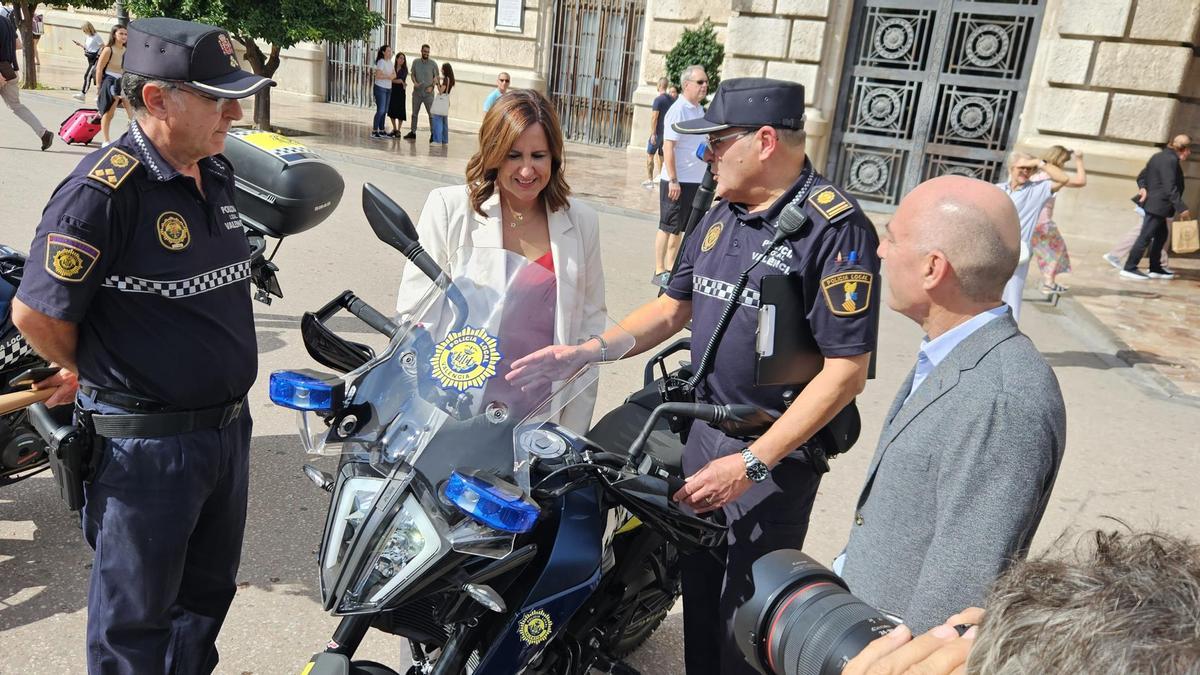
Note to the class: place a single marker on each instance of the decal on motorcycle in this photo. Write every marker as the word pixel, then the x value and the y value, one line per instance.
pixel 535 627
pixel 68 258
pixel 465 359
pixel 711 237
pixel 173 231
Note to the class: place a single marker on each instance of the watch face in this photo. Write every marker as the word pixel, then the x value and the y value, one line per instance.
pixel 755 469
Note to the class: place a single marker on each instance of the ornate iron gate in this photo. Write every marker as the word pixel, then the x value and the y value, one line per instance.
pixel 930 87
pixel 352 64
pixel 595 55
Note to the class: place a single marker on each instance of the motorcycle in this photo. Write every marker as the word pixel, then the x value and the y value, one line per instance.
pixel 479 522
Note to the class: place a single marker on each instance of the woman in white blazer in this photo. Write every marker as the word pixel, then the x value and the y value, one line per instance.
pixel 516 198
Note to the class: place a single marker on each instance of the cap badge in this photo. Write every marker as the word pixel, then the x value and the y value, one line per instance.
pixel 173 231
pixel 225 44
pixel 68 258
pixel 711 237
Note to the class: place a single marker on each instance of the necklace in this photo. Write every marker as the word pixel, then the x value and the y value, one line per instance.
pixel 520 218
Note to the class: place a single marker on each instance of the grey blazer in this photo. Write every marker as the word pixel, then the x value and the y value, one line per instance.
pixel 960 478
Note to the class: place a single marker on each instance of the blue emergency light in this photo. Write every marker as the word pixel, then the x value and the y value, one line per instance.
pixel 500 507
pixel 306 390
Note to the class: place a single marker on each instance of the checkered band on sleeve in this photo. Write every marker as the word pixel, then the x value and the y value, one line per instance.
pixel 721 290
pixel 13 351
pixel 182 288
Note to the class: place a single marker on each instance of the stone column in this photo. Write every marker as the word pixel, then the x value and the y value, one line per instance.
pixel 1114 79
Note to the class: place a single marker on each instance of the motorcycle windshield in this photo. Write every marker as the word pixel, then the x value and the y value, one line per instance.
pixel 437 401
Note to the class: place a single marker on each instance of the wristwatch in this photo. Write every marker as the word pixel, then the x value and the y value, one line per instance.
pixel 755 469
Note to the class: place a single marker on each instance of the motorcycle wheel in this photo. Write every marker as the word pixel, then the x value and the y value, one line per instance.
pixel 654 603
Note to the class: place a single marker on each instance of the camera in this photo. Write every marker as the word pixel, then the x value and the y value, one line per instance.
pixel 802 618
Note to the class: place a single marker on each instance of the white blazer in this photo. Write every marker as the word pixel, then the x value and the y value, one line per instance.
pixel 449 227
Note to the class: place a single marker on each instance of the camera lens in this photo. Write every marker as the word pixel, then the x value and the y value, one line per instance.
pixel 802 620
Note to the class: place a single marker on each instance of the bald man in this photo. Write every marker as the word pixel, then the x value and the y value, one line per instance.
pixel 972 444
pixel 1161 194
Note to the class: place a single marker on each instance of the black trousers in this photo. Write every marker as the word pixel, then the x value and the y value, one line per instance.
pixel 1150 240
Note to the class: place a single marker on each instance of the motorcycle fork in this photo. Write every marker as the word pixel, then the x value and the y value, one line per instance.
pixel 349 635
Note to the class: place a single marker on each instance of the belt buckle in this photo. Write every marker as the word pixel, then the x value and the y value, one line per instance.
pixel 231 413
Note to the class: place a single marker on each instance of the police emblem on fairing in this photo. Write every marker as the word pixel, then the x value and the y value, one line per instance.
pixel 68 258
pixel 465 359
pixel 173 231
pixel 535 627
pixel 711 237
pixel 848 293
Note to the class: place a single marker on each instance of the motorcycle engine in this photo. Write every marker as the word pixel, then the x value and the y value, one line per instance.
pixel 22 446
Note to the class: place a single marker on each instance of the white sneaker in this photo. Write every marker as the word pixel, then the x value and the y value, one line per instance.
pixel 1112 260
pixel 1136 275
pixel 77 97
pixel 1165 274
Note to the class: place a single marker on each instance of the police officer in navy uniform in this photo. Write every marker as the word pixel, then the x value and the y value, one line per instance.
pixel 765 488
pixel 137 284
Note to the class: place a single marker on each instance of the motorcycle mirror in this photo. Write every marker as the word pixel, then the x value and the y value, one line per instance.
pixel 390 223
pixel 319 477
pixel 486 596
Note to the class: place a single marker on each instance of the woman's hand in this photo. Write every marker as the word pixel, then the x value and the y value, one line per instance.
pixel 548 364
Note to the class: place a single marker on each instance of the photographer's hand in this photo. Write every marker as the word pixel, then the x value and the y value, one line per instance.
pixel 940 651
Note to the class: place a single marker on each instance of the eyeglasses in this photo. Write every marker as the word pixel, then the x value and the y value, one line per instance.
pixel 699 81
pixel 202 94
pixel 503 80
pixel 715 141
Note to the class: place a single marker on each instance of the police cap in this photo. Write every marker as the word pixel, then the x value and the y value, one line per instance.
pixel 750 102
pixel 195 53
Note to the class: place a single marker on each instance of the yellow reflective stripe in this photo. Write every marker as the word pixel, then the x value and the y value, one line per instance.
pixel 631 524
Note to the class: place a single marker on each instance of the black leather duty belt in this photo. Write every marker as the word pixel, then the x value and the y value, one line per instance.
pixel 157 420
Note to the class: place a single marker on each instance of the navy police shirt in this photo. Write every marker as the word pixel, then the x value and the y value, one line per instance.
pixel 155 275
pixel 835 257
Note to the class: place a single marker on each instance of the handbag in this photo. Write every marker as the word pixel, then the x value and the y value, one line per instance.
pixel 441 104
pixel 1185 236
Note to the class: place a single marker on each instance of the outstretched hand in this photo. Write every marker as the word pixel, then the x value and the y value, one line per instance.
pixel 548 364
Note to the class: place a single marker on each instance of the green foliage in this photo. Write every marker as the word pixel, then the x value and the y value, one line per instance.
pixel 280 23
pixel 697 47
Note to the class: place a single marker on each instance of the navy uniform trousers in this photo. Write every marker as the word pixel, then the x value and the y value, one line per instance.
pixel 769 516
pixel 165 517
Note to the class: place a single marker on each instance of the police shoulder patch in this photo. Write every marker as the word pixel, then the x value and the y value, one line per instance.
pixel 830 203
pixel 68 258
pixel 848 293
pixel 113 168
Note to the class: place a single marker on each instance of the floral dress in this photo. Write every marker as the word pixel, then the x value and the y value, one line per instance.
pixel 1047 244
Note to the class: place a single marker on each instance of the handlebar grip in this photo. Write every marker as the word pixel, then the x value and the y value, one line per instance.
pixel 372 317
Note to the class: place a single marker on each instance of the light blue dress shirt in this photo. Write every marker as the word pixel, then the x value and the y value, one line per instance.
pixel 935 351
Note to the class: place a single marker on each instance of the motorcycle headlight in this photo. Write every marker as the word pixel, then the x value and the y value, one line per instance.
pixel 409 544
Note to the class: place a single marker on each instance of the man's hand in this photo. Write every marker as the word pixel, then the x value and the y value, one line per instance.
pixel 720 481
pixel 653 139
pixel 1186 215
pixel 1141 195
pixel 939 652
pixel 673 191
pixel 548 364
pixel 67 384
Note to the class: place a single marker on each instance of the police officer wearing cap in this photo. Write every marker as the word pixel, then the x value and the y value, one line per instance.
pixel 137 284
pixel 765 487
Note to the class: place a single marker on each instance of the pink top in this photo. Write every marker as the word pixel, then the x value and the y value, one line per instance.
pixel 1047 213
pixel 526 326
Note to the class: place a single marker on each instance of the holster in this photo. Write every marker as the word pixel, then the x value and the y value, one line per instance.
pixel 74 450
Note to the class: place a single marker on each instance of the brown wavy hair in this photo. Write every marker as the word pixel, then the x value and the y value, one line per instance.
pixel 512 114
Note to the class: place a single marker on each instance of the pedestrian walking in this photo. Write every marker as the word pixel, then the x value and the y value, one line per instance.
pixel 37 28
pixel 439 120
pixel 138 285
pixel 91 47
pixel 10 88
pixel 503 80
pixel 654 149
pixel 398 104
pixel 424 76
pixel 1120 251
pixel 1162 184
pixel 385 72
pixel 1029 198
pixel 1047 245
pixel 109 68
pixel 682 171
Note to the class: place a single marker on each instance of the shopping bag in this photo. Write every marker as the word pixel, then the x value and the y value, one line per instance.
pixel 441 105
pixel 1185 236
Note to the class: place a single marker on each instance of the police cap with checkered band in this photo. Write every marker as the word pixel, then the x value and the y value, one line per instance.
pixel 184 51
pixel 750 102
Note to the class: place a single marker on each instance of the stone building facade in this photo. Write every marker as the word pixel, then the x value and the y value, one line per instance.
pixel 1112 78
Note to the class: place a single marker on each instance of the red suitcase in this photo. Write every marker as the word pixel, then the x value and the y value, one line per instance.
pixel 81 127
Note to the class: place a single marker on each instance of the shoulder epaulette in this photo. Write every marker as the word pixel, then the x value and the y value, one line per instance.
pixel 830 203
pixel 113 168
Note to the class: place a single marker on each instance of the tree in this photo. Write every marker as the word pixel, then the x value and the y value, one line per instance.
pixel 23 18
pixel 279 23
pixel 697 48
